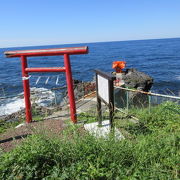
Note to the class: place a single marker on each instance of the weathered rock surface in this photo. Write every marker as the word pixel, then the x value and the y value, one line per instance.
pixel 138 80
pixel 81 89
pixel 19 115
pixel 133 79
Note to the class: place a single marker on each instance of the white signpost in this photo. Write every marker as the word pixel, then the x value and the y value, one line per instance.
pixel 105 93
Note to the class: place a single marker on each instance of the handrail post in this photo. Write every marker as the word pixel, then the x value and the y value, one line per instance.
pixel 127 101
pixel 149 103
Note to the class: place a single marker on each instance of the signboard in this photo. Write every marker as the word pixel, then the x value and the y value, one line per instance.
pixel 103 88
pixel 105 93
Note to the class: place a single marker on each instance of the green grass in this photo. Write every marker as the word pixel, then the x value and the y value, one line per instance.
pixel 153 153
pixel 165 117
pixel 6 125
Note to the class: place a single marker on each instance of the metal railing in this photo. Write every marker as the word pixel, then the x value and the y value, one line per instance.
pixel 130 98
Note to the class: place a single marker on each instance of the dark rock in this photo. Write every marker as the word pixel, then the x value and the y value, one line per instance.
pixel 75 81
pixel 81 89
pixel 133 79
pixel 138 80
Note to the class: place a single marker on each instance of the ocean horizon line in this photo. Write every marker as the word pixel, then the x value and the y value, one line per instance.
pixel 74 43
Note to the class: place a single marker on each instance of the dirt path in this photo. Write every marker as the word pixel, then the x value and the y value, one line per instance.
pixel 14 136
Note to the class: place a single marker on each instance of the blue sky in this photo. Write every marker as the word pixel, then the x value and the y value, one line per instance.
pixel 43 22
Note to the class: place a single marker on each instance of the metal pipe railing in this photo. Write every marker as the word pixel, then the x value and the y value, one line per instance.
pixel 149 93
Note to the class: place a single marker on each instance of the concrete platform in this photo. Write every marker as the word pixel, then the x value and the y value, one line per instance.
pixel 103 131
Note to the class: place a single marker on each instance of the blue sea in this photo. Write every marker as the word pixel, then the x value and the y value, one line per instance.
pixel 158 58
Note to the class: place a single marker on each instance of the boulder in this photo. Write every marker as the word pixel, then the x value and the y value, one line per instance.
pixel 133 79
pixel 83 88
pixel 137 80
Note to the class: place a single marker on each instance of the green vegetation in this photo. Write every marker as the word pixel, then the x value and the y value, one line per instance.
pixel 165 117
pixel 151 151
pixel 37 116
pixel 6 125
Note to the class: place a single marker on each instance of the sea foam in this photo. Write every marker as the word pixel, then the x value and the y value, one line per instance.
pixel 40 96
pixel 11 106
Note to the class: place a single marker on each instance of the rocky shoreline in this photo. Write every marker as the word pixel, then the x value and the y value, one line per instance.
pixel 131 77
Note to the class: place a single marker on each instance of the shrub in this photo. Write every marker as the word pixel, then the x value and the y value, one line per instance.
pixel 78 155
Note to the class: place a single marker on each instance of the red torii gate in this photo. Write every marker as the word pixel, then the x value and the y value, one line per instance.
pixel 23 54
